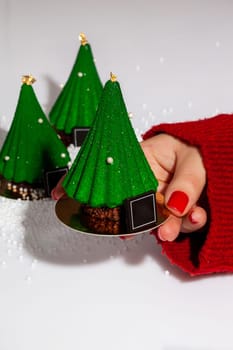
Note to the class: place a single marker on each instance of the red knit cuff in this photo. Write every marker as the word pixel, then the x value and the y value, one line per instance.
pixel 211 249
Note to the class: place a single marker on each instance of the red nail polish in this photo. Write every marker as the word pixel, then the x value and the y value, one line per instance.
pixel 178 201
pixel 192 219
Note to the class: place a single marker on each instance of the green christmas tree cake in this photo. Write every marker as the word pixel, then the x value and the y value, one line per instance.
pixel 110 168
pixel 31 148
pixel 75 107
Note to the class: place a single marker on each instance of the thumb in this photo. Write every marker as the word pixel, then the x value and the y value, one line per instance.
pixel 58 191
pixel 188 181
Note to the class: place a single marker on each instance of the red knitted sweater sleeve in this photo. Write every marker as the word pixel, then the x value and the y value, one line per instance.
pixel 210 249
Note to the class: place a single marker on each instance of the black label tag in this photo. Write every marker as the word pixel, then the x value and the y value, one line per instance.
pixel 79 135
pixel 141 212
pixel 52 177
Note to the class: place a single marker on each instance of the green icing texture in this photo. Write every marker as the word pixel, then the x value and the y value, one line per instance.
pixel 110 165
pixel 31 145
pixel 77 103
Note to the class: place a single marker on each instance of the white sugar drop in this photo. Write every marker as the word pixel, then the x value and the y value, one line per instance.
pixel 63 155
pixel 40 121
pixel 6 158
pixel 80 74
pixel 109 160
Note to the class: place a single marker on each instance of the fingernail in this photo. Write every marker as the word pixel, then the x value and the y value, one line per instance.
pixel 178 201
pixel 160 235
pixel 192 219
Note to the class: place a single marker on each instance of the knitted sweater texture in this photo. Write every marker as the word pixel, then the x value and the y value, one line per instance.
pixel 210 249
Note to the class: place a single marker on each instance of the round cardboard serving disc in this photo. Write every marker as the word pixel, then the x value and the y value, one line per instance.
pixel 67 211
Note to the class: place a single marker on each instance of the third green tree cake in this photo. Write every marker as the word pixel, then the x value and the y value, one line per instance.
pixel 31 148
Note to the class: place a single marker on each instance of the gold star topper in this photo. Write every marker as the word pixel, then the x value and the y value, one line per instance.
pixel 28 79
pixel 113 77
pixel 83 39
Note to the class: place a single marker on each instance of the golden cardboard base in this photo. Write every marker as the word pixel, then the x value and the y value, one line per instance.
pixel 68 212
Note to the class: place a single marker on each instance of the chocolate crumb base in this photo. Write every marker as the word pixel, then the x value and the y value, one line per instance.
pixel 102 220
pixel 22 190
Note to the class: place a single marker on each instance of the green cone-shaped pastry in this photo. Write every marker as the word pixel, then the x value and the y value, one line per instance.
pixel 77 103
pixel 31 146
pixel 110 165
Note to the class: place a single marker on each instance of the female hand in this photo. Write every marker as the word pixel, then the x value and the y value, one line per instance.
pixel 182 177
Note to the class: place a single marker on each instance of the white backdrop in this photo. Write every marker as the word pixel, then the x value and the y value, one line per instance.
pixel 60 290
